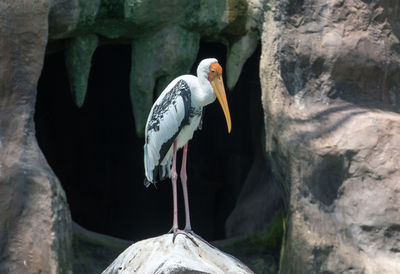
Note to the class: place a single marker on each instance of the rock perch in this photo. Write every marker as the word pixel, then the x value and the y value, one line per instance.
pixel 161 255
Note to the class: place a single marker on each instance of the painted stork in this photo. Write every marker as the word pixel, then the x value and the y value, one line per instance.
pixel 174 117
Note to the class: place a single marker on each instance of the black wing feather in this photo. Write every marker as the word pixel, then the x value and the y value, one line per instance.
pixel 180 89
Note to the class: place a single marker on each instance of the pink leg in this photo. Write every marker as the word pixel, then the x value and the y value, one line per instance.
pixel 188 227
pixel 174 177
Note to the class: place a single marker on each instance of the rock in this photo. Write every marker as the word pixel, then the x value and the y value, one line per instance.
pixel 330 81
pixel 260 250
pixel 78 60
pixel 241 49
pixel 220 20
pixel 165 41
pixel 35 232
pixel 156 60
pixel 93 251
pixel 238 54
pixel 259 202
pixel 161 255
pixel 261 196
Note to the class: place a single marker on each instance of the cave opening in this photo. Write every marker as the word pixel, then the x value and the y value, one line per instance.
pixel 98 158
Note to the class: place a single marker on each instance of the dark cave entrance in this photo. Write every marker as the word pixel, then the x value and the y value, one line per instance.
pixel 95 152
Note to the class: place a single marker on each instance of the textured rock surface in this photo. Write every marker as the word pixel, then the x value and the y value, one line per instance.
pixel 156 60
pixel 164 40
pixel 161 255
pixel 330 79
pixel 93 252
pixel 34 217
pixel 78 60
pixel 259 251
pixel 261 197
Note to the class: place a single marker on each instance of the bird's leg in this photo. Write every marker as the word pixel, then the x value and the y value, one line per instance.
pixel 183 174
pixel 174 177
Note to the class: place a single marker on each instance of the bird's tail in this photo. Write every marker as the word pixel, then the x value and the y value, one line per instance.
pixel 146 182
pixel 147 168
pixel 152 171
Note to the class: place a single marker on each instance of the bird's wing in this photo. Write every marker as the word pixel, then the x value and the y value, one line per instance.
pixel 167 117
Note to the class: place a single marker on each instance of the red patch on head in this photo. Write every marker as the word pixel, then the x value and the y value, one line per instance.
pixel 215 70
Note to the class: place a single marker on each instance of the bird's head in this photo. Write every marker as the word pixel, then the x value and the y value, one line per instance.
pixel 215 78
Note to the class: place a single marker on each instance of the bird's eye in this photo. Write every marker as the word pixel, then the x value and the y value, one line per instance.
pixel 213 71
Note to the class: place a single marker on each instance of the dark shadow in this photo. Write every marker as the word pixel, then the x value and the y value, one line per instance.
pixel 322 173
pixel 327 120
pixel 328 175
pixel 98 158
pixel 324 130
pixel 390 12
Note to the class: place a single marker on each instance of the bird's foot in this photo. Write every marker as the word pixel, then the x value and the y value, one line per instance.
pixel 188 233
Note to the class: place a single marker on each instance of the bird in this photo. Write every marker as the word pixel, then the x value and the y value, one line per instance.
pixel 172 121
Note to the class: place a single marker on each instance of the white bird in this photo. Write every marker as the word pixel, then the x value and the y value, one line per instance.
pixel 173 118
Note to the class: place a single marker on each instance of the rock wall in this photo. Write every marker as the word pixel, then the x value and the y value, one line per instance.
pixel 330 79
pixel 164 40
pixel 331 85
pixel 34 218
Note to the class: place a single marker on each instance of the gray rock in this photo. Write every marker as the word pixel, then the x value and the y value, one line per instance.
pixel 162 255
pixel 327 72
pixel 93 251
pixel 259 202
pixel 165 40
pixel 78 61
pixel 157 59
pixel 35 232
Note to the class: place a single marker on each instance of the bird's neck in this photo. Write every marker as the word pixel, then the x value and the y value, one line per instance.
pixel 205 94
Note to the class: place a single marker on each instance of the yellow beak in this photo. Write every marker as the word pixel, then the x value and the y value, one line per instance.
pixel 218 86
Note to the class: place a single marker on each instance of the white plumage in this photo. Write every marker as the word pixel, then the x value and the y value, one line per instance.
pixel 173 119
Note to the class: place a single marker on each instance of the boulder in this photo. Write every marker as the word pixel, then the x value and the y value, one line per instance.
pixel 184 255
